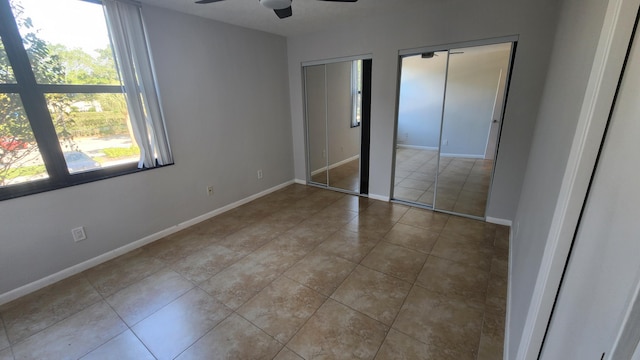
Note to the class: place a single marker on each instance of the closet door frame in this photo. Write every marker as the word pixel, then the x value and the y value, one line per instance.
pixel 513 39
pixel 365 124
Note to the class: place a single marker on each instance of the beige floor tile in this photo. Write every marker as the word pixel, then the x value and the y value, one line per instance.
pixel 425 219
pixel 6 354
pixel 311 235
pixel 222 225
pixel 412 237
pixel 111 276
pixel 251 237
pixel 320 271
pixel 349 245
pixel 398 346
pixel 353 203
pixel 282 308
pixel 244 279
pixel 338 332
pixel 175 327
pixel 143 298
pixel 178 245
pixel 74 336
pixel 492 340
pixel 386 210
pixel 464 251
pixel 373 293
pixel 125 346
pixel 372 224
pixel 482 232
pixel 449 277
pixel 27 315
pixel 500 262
pixel 441 321
pixel 205 263
pixel 287 354
pixel 396 261
pixel 230 340
pixel 497 295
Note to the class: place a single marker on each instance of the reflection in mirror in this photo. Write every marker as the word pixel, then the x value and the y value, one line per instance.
pixel 422 84
pixel 476 80
pixel 343 137
pixel 316 114
pixel 333 94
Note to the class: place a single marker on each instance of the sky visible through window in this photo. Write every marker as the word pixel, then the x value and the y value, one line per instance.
pixel 73 23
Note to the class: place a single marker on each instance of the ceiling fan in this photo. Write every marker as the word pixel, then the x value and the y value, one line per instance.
pixel 282 8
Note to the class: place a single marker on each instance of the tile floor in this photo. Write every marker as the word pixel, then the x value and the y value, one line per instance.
pixel 463 184
pixel 302 273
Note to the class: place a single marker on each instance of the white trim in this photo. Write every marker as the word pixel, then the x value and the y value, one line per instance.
pixel 337 60
pixel 300 181
pixel 627 337
pixel 448 46
pixel 379 197
pixel 498 221
pixel 418 147
pixel 78 268
pixel 507 330
pixel 598 99
pixel 467 156
pixel 339 163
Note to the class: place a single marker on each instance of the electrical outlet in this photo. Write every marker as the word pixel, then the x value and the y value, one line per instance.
pixel 445 142
pixel 78 234
pixel 324 153
pixel 210 190
pixel 259 174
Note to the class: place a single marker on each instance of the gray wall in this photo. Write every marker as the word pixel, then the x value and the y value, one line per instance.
pixel 471 91
pixel 227 113
pixel 421 24
pixel 573 50
pixel 420 103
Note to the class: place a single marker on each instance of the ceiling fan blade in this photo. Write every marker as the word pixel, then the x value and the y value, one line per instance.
pixel 207 1
pixel 340 0
pixel 283 13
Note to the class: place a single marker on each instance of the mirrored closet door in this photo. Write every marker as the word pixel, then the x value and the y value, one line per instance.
pixel 449 118
pixel 336 124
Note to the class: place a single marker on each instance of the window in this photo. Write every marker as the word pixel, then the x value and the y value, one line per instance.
pixel 65 116
pixel 356 92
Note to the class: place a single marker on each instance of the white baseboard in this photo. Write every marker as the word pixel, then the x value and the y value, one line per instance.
pixel 379 197
pixel 507 321
pixel 78 268
pixel 498 221
pixel 466 156
pixel 418 147
pixel 339 163
pixel 300 181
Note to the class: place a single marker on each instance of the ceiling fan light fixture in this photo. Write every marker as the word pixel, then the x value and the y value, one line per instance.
pixel 276 4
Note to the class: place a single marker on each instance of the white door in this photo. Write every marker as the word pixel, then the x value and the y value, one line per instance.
pixel 603 272
pixel 496 117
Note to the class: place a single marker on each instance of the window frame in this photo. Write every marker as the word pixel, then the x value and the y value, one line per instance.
pixel 33 96
pixel 356 92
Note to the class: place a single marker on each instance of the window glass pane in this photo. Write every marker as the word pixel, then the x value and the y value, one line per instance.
pixel 20 159
pixel 67 41
pixel 6 72
pixel 93 129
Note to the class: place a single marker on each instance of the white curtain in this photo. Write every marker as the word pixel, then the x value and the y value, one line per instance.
pixel 132 53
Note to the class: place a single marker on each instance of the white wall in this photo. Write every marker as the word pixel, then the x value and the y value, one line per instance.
pixel 421 97
pixel 227 113
pixel 419 24
pixel 573 52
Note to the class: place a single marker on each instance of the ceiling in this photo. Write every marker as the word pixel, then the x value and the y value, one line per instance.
pixel 308 15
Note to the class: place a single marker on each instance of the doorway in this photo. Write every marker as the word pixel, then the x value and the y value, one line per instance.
pixel 450 109
pixel 337 98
